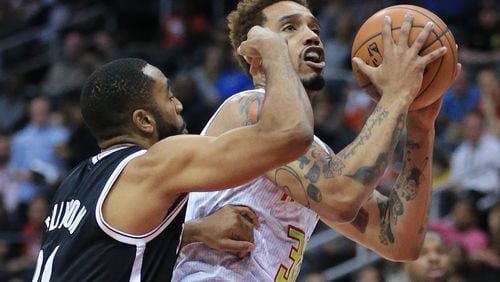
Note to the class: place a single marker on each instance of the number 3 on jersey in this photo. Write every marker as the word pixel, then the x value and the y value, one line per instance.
pixel 286 274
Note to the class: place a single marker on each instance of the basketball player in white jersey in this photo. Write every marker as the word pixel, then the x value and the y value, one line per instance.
pixel 336 188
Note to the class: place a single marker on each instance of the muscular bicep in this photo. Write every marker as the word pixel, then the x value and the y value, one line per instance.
pixel 204 163
pixel 231 155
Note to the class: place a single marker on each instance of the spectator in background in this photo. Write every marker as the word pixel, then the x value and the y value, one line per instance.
pixel 489 86
pixel 81 144
pixel 12 102
pixel 481 44
pixel 9 186
pixel 328 106
pixel 207 73
pixel 488 261
pixel 23 267
pixel 196 111
pixel 462 228
pixel 68 72
pixel 433 264
pixel 34 158
pixel 370 274
pixel 475 164
pixel 461 99
pixel 314 277
pixel 338 51
pixel 105 45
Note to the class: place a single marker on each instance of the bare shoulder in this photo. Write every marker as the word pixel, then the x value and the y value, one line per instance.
pixel 239 110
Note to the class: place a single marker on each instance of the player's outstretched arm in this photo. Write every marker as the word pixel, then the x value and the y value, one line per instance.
pixel 395 226
pixel 201 163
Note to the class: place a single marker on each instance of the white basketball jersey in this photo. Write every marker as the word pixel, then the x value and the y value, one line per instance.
pixel 280 241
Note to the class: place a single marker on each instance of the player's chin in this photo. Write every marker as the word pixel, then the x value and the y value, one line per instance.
pixel 313 82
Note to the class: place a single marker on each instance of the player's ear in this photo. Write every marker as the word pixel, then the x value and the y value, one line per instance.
pixel 143 120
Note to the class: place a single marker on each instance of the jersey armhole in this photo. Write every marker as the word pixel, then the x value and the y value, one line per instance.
pixel 119 235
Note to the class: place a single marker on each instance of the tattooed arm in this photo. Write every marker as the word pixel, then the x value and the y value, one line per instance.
pixel 395 226
pixel 335 186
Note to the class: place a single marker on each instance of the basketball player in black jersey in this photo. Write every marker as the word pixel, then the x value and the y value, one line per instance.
pixel 119 215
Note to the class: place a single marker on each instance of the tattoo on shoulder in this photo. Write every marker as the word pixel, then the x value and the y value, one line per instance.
pixel 250 108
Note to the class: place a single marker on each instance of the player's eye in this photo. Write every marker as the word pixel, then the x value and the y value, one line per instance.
pixel 289 27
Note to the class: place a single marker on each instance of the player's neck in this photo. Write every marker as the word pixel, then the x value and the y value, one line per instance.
pixel 119 141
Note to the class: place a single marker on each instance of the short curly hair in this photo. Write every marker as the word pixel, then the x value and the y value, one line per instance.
pixel 247 14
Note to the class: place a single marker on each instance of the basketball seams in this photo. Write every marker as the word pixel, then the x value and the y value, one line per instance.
pixel 393 29
pixel 436 24
pixel 442 36
pixel 438 38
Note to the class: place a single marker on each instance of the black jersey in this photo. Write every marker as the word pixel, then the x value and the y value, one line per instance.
pixel 79 245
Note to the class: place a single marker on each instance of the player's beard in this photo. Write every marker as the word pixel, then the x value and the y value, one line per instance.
pixel 166 129
pixel 313 83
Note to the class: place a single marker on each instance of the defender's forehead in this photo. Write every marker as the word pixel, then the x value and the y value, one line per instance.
pixel 154 73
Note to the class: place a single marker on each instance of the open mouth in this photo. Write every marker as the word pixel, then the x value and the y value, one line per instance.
pixel 314 57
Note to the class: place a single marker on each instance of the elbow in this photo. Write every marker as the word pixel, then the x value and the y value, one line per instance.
pixel 300 138
pixel 409 250
pixel 342 212
pixel 402 255
pixel 344 207
pixel 346 215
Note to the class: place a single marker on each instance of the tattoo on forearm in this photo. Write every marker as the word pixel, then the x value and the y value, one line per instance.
pixel 368 175
pixel 361 220
pixel 250 108
pixel 398 130
pixel 314 193
pixel 406 188
pixel 333 167
pixel 313 174
pixel 390 211
pixel 376 118
pixel 412 145
pixel 316 150
pixel 303 161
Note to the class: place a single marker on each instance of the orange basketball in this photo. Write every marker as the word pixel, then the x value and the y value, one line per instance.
pixel 438 75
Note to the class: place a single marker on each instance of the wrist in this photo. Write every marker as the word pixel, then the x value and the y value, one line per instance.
pixel 191 233
pixel 400 102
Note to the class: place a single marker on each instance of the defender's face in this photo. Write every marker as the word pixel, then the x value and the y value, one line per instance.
pixel 301 31
pixel 167 113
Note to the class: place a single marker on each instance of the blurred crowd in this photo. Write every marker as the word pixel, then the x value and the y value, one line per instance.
pixel 49 47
